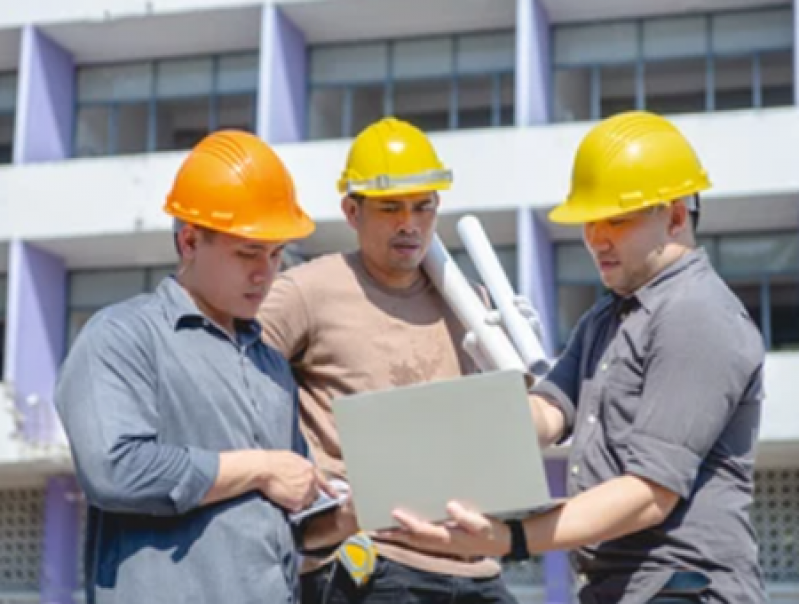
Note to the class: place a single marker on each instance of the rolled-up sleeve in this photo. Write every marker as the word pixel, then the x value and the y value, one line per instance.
pixel 699 364
pixel 107 398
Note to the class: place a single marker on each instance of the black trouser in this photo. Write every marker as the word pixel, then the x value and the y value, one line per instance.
pixel 394 583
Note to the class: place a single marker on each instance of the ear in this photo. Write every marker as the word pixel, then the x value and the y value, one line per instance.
pixel 679 218
pixel 187 239
pixel 352 211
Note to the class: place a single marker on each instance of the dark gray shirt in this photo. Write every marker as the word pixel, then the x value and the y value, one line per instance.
pixel 667 385
pixel 150 393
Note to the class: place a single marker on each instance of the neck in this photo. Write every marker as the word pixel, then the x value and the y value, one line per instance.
pixel 220 319
pixel 389 278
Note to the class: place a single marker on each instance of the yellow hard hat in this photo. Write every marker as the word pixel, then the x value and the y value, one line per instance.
pixel 393 157
pixel 630 161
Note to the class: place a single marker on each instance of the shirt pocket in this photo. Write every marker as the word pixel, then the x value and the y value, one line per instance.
pixel 622 389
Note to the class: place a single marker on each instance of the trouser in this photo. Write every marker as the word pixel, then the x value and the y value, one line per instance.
pixel 395 583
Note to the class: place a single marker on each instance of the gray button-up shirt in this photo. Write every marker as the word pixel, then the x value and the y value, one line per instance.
pixel 150 393
pixel 667 385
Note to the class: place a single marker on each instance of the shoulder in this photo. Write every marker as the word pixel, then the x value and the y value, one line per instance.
pixel 317 270
pixel 124 325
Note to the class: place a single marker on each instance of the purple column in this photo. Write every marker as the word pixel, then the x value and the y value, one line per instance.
pixel 35 336
pixel 537 271
pixel 533 81
pixel 537 282
pixel 282 88
pixel 59 571
pixel 557 570
pixel 43 130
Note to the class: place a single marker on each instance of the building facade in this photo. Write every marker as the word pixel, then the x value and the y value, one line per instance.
pixel 99 100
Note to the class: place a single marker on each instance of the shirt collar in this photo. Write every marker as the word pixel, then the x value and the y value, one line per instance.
pixel 182 311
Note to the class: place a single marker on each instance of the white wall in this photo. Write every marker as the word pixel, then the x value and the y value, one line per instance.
pixel 748 153
pixel 781 409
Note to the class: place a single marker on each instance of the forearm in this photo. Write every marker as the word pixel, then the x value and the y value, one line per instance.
pixel 616 508
pixel 548 419
pixel 239 472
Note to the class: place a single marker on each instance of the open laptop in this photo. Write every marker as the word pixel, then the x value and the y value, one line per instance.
pixel 418 447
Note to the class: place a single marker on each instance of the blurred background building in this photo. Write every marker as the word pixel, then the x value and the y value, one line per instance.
pixel 99 99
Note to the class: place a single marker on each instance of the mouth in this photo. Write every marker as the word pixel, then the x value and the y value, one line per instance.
pixel 606 266
pixel 406 249
pixel 255 297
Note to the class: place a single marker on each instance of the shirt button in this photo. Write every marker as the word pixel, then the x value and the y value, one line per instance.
pixel 592 419
pixel 604 367
pixel 575 470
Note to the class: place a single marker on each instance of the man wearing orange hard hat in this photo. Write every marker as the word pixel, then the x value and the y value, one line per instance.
pixel 368 320
pixel 182 423
pixel 660 389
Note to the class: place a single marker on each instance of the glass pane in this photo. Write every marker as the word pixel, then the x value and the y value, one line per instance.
pixel 8 91
pixel 676 86
pixel 425 104
pixel 573 302
pixel 617 89
pixel 759 254
pixel 236 111
pixel 749 31
pixel 238 73
pixel 574 263
pixel 603 43
pixel 784 313
pixel 572 95
pixel 326 110
pixel 486 52
pixel 749 292
pixel 776 78
pixel 158 274
pixel 349 64
pixel 92 133
pixel 733 80
pixel 507 99
pixel 181 123
pixel 95 289
pixel 132 128
pixel 675 37
pixel 116 82
pixel 184 77
pixel 367 107
pixel 6 138
pixel 77 320
pixel 475 101
pixel 3 295
pixel 422 58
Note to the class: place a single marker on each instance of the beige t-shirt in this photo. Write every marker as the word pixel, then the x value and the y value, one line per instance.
pixel 345 333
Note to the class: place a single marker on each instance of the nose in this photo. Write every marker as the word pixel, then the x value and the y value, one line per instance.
pixel 265 268
pixel 595 236
pixel 407 221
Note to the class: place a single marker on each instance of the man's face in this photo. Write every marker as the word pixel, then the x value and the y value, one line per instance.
pixel 628 249
pixel 231 275
pixel 394 232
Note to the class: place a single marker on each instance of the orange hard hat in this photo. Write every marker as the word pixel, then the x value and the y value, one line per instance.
pixel 233 182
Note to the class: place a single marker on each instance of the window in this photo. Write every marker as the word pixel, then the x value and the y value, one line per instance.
pixel 762 270
pixel 3 305
pixel 506 254
pixel 91 290
pixel 163 105
pixel 577 287
pixel 8 103
pixel 672 65
pixel 436 83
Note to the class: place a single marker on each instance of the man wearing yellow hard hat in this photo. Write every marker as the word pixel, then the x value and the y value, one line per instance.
pixel 183 425
pixel 659 388
pixel 371 320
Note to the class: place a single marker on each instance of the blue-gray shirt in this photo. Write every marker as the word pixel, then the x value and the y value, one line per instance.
pixel 149 395
pixel 667 385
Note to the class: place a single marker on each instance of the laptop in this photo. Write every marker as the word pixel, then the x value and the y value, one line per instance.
pixel 470 439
